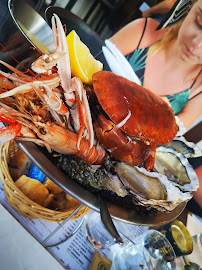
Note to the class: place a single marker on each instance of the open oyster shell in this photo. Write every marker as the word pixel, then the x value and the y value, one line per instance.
pixel 188 149
pixel 146 187
pixel 114 184
pixel 181 128
pixel 176 167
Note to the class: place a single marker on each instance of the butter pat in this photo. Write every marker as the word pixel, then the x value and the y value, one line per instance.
pixel 100 262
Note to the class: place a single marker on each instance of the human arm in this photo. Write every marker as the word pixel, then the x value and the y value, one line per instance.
pixel 127 39
pixel 162 7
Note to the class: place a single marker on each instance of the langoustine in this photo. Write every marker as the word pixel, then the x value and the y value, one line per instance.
pixel 65 124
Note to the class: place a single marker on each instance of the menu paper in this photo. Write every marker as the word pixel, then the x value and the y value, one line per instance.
pixel 74 253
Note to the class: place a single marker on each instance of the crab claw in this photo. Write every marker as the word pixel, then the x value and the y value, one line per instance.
pixel 114 141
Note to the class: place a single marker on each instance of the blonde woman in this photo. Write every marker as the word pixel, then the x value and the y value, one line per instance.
pixel 168 61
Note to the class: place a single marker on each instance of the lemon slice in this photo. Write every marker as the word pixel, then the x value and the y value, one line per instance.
pixel 83 64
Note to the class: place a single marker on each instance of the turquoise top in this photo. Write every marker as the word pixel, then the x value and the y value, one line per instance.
pixel 179 101
pixel 137 60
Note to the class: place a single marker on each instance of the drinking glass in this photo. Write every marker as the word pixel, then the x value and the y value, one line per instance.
pixel 195 256
pixel 95 232
pixel 98 236
pixel 149 251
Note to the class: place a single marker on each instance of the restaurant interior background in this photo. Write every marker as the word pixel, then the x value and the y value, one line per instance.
pixel 104 16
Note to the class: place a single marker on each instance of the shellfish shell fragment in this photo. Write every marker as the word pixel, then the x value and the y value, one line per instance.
pixel 176 167
pixel 181 128
pixel 174 196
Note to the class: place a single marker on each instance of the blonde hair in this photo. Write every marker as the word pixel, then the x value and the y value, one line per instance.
pixel 171 34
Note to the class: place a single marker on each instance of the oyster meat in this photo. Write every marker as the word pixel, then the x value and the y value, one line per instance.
pixel 176 167
pixel 181 145
pixel 151 189
pixel 138 183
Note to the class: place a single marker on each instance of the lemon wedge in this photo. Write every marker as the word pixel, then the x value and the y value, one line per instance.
pixel 83 64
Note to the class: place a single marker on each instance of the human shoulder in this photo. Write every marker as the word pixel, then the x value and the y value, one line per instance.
pixel 128 37
pixel 151 35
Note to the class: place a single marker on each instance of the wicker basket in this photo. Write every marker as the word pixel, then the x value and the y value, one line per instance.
pixel 22 204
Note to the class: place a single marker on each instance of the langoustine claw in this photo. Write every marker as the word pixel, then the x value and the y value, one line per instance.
pixel 14 130
pixel 63 63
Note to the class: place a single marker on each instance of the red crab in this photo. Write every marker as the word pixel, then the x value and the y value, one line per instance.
pixel 139 119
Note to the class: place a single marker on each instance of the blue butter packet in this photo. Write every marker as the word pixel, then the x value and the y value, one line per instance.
pixel 36 174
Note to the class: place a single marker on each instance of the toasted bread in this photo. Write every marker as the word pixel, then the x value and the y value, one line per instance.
pixel 34 190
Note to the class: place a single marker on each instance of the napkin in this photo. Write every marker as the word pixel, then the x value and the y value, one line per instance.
pixel 118 63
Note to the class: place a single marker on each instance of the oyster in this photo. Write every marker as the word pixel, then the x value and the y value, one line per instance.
pixel 93 177
pixel 138 183
pixel 176 167
pixel 188 149
pixel 114 184
pixel 151 189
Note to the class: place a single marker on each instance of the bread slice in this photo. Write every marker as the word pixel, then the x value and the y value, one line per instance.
pixel 52 187
pixel 34 190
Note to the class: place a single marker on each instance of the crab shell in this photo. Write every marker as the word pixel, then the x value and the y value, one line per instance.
pixel 151 118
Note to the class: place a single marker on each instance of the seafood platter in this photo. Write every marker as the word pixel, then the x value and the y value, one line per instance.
pixel 98 133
